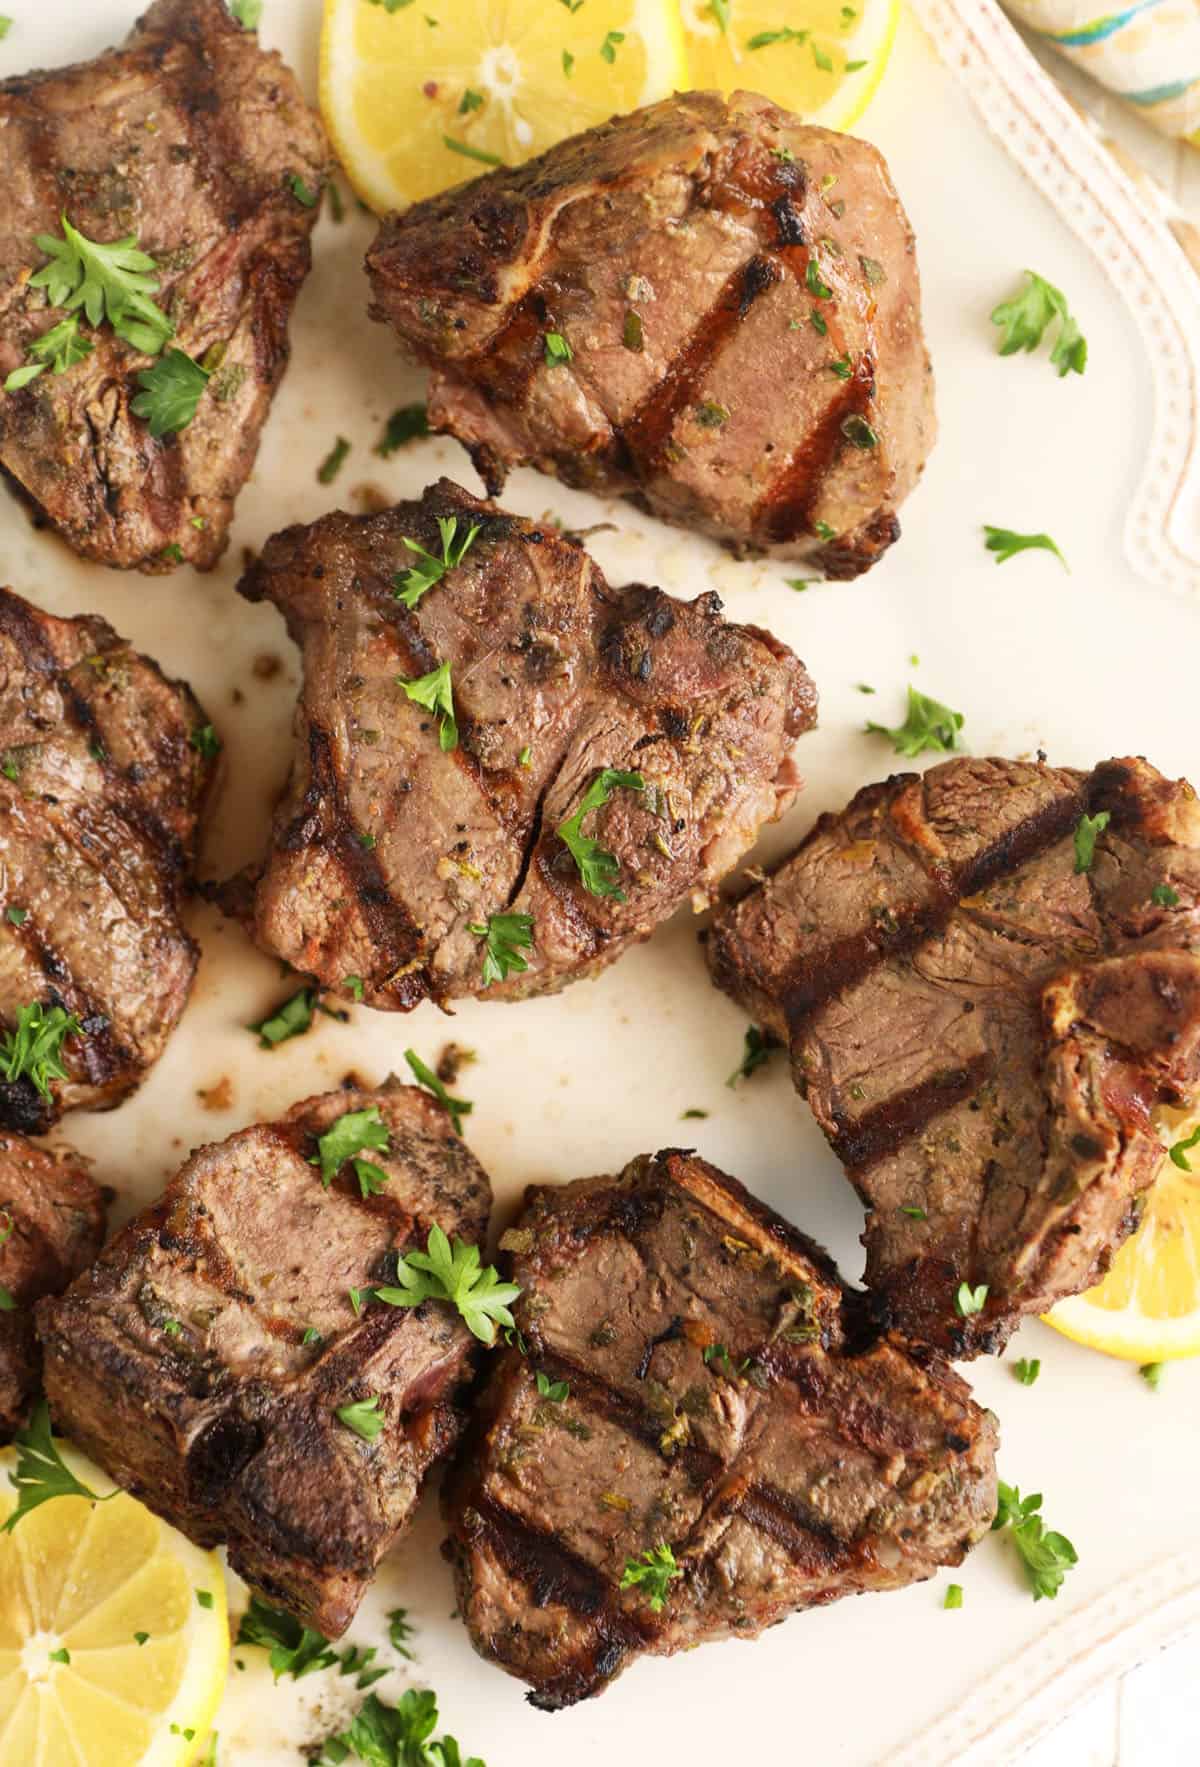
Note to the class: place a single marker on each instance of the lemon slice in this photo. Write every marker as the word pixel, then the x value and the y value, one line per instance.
pixel 820 58
pixel 80 1582
pixel 1147 1309
pixel 420 94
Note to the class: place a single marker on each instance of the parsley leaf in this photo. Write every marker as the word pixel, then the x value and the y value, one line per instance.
pixel 171 391
pixel 287 1021
pixel 333 462
pixel 435 692
pixel 399 1632
pixel 1006 544
pixel 1046 1556
pixel 598 868
pixel 296 1650
pixel 404 425
pixel 554 1390
pixel 506 935
pixel 1026 316
pixel 1086 831
pixel 557 349
pixel 307 198
pixel 1180 1150
pixel 756 1051
pixel 246 12
pixel 1152 1373
pixel 608 48
pixel 471 153
pixel 1163 896
pixel 363 1417
pixel 765 39
pixel 348 1136
pixel 410 585
pixel 41 1471
pixel 1027 1370
pixel 371 1178
pixel 968 1300
pixel 205 741
pixel 652 1572
pixel 455 1108
pixel 454 1274
pixel 398 1736
pixel 108 281
pixel 928 725
pixel 58 349
pixel 954 1595
pixel 34 1049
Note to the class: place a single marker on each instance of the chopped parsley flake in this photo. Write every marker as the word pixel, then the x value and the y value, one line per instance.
pixel 333 461
pixel 363 1417
pixel 33 1050
pixel 505 936
pixel 652 1572
pixel 409 585
pixel 453 1273
pixel 1006 544
pixel 436 693
pixel 406 424
pixel 928 725
pixel 598 868
pixel 348 1136
pixel 1025 318
pixel 1086 831
pixel 1046 1556
pixel 455 1108
pixel 170 395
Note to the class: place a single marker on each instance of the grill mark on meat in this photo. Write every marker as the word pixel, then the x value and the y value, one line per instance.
pixel 859 1144
pixel 646 435
pixel 512 357
pixel 324 820
pixel 808 1540
pixel 786 507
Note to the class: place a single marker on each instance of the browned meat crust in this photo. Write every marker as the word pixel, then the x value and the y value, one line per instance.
pixel 981 1029
pixel 178 1361
pixel 188 137
pixel 101 791
pixel 799 1460
pixel 387 850
pixel 740 296
pixel 52 1223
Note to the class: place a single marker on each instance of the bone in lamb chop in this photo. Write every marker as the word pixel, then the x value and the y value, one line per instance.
pixel 988 980
pixel 707 306
pixel 105 766
pixel 195 147
pixel 51 1227
pixel 705 1435
pixel 567 764
pixel 225 1361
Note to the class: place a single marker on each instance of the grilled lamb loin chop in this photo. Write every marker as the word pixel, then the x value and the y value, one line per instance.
pixel 189 138
pixel 51 1227
pixel 982 1014
pixel 739 296
pixel 391 852
pixel 724 1402
pixel 101 788
pixel 203 1359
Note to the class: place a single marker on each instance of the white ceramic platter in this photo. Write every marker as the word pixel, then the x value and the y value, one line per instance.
pixel 1087 665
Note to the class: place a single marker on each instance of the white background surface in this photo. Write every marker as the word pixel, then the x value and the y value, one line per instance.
pixel 1087 665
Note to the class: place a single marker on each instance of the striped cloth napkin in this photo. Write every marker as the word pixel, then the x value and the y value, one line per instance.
pixel 1146 52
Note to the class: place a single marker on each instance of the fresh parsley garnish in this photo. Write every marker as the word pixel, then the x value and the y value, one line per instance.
pixel 289 1020
pixel 554 1390
pixel 1179 1150
pixel 34 1049
pixel 1086 831
pixel 858 431
pixel 1027 1370
pixel 58 349
pixel 557 349
pixel 171 390
pixel 16 916
pixel 455 1108
pixel 765 39
pixel 505 936
pixel 306 197
pixel 1006 544
pixel 41 1471
pixel 756 1051
pixel 954 1595
pixel 928 725
pixel 349 1136
pixel 1152 1373
pixel 108 282
pixel 397 1736
pixel 471 153
pixel 1046 1556
pixel 1163 896
pixel 652 1572
pixel 608 48
pixel 354 984
pixel 333 462
pixel 404 425
pixel 399 1632
pixel 470 100
pixel 296 1650
pixel 598 868
pixel 409 585
pixel 1026 316
pixel 205 741
pixel 816 284
pixel 363 1417
pixel 247 13
pixel 453 1273
pixel 968 1300
pixel 435 692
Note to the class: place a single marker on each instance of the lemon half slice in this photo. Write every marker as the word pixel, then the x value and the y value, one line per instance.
pixel 1147 1309
pixel 114 1639
pixel 820 58
pixel 420 94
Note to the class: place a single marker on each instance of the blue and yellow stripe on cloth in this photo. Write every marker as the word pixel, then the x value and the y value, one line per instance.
pixel 1146 52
